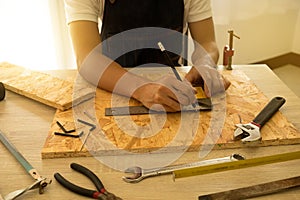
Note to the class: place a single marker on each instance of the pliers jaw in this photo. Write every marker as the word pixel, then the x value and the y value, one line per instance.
pixel 247 132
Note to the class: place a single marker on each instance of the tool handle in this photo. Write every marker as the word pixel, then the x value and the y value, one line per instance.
pixel 85 171
pixel 254 191
pixel 20 158
pixel 268 111
pixel 74 188
pixel 2 91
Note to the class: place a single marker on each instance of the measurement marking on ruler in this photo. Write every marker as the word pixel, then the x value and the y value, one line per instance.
pixel 193 171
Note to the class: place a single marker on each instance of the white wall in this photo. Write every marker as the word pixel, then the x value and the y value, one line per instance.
pixel 267 28
pixel 26 37
pixel 296 43
pixel 34 34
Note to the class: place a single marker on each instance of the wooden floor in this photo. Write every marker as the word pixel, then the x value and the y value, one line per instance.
pixel 290 74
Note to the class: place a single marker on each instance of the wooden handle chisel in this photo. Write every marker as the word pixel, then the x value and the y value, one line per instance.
pixel 254 191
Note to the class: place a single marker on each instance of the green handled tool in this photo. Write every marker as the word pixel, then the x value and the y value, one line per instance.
pixel 40 182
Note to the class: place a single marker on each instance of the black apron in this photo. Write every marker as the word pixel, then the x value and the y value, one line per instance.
pixel 131 30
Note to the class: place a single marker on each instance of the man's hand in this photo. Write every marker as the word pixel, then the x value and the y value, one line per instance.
pixel 208 78
pixel 166 94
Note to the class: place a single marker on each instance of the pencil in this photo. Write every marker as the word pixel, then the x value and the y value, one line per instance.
pixel 162 48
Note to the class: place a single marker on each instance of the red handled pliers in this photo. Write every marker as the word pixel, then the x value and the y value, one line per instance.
pixel 101 193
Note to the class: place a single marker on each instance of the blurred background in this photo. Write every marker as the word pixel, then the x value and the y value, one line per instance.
pixel 34 34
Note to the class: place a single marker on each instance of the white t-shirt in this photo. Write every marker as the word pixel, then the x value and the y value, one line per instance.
pixel 92 10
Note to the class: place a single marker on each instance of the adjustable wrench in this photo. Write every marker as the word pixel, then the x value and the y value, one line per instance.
pixel 251 131
pixel 137 173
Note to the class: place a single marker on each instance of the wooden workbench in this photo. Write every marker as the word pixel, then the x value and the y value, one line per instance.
pixel 26 123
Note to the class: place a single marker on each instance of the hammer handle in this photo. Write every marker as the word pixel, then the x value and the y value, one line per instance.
pixel 2 93
pixel 20 158
pixel 269 110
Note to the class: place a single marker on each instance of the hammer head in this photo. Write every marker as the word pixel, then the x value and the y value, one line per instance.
pixel 247 132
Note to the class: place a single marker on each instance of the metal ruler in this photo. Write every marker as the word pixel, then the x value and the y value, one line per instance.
pixel 203 104
pixel 193 171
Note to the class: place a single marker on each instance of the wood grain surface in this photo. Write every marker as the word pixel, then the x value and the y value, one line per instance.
pixel 26 123
pixel 166 132
pixel 42 87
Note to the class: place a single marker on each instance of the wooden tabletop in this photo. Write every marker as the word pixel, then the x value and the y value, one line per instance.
pixel 26 123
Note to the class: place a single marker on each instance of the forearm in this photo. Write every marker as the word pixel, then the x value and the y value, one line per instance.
pixel 205 47
pixel 205 58
pixel 96 68
pixel 106 74
pixel 167 93
pixel 206 54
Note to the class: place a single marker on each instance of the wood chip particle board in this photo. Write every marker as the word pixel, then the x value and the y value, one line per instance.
pixel 170 132
pixel 41 87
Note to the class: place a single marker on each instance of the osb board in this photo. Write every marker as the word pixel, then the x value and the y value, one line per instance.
pixel 41 87
pixel 162 133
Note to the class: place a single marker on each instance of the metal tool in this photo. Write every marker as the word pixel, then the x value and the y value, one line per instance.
pixel 228 51
pixel 254 191
pixel 252 162
pixel 2 91
pixel 40 182
pixel 67 133
pixel 138 174
pixel 251 131
pixel 202 104
pixel 101 192
pixel 64 129
pixel 17 193
pixel 92 127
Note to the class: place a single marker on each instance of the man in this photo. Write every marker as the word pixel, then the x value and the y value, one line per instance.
pixel 106 69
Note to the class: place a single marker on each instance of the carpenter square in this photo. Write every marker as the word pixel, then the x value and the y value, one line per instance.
pixel 251 132
pixel 203 104
pixel 255 190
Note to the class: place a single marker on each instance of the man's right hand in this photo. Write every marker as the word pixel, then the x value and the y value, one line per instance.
pixel 167 94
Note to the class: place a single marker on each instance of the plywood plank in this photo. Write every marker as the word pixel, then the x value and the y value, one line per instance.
pixel 171 132
pixel 41 87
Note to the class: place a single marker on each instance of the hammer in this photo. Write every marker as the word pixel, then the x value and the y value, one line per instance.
pixel 2 91
pixel 251 132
